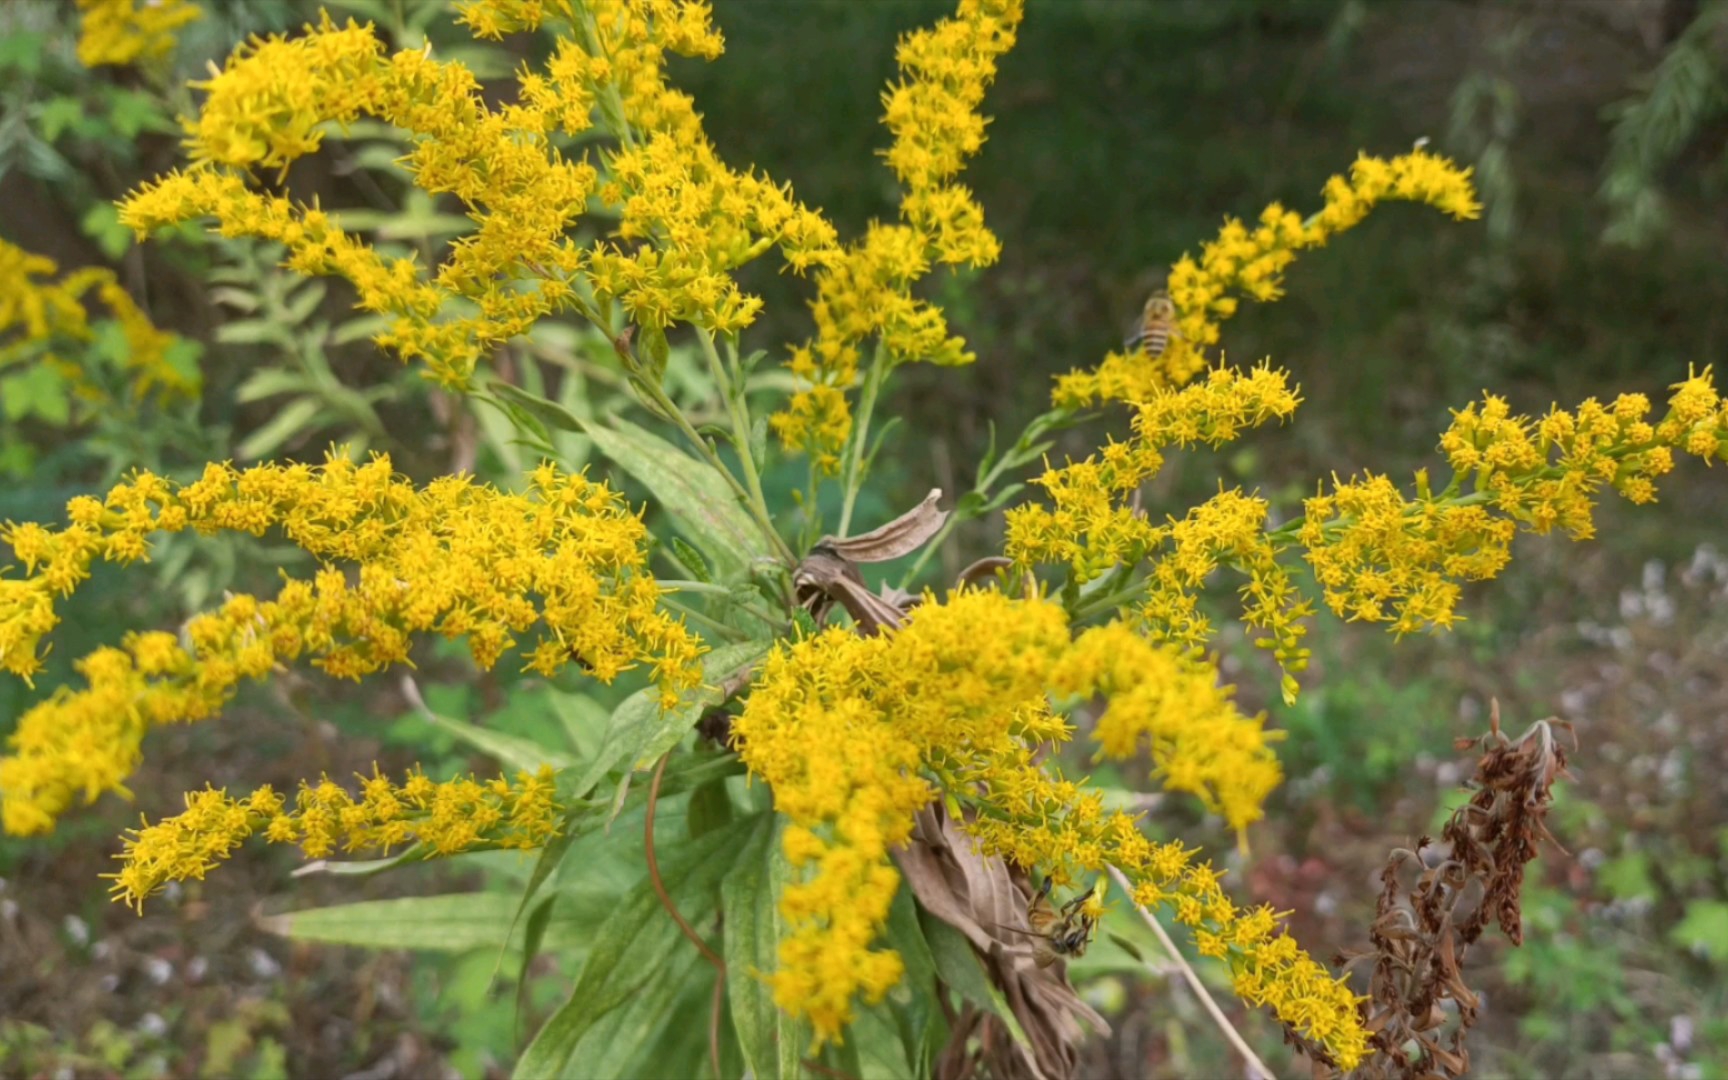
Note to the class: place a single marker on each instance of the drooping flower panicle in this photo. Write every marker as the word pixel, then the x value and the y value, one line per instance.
pixel 566 561
pixel 1250 262
pixel 687 220
pixel 445 818
pixel 856 734
pixel 128 31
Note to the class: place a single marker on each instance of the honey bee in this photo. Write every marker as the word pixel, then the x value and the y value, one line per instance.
pixel 1157 326
pixel 1057 932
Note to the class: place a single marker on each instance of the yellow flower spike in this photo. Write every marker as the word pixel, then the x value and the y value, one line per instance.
pixel 846 729
pixel 1382 557
pixel 42 319
pixel 1252 261
pixel 517 813
pixel 126 31
pixel 456 559
pixel 865 290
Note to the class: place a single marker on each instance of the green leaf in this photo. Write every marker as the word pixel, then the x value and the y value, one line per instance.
pixel 254 332
pixel 693 561
pixel 1704 929
pixel 303 303
pixel 22 51
pixel 637 940
pixel 701 504
pixel 640 731
pixel 653 350
pixel 958 966
pixel 268 382
pixel 583 719
pixel 881 1050
pixel 710 808
pixel 512 751
pixel 636 1041
pixel 38 389
pixel 772 1041
pixel 296 418
pixel 552 415
pixel 59 114
pixel 759 439
pixel 665 731
pixel 101 223
pixel 453 922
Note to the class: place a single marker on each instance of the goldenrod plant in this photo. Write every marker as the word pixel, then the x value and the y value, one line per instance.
pixel 847 743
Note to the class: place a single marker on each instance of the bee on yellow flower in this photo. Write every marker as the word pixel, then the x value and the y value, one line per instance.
pixel 1157 326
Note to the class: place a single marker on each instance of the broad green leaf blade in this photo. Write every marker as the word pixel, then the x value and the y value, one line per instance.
pixel 664 731
pixel 701 504
pixel 511 751
pixel 453 922
pixel 773 1042
pixel 636 1041
pixel 550 413
pixel 958 966
pixel 640 731
pixel 637 939
pixel 881 1051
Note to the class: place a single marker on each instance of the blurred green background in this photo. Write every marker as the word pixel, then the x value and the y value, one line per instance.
pixel 1123 132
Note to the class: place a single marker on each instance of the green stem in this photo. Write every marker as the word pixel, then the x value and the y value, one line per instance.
pixel 739 411
pixel 757 510
pixel 1113 599
pixel 1008 459
pixel 611 99
pixel 681 585
pixel 713 624
pixel 854 480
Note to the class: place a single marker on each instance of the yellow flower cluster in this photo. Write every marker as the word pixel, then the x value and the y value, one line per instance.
pixel 122 31
pixel 687 221
pixel 1031 814
pixel 453 558
pixel 44 320
pixel 443 818
pixel 1380 556
pixel 1091 528
pixel 1251 261
pixel 853 734
pixel 866 290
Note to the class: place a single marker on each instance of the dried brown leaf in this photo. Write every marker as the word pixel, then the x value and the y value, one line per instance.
pixel 902 536
pixel 978 894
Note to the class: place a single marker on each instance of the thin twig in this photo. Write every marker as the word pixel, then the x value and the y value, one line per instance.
pixel 817 1067
pixel 654 871
pixel 1205 995
pixel 714 1022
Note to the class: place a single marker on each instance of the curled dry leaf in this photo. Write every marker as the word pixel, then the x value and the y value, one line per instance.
pixel 829 574
pixel 977 895
pixel 902 536
pixel 984 569
pixel 825 578
pixel 1473 876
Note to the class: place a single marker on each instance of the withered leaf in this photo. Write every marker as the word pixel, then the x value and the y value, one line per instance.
pixel 826 577
pixel 902 536
pixel 976 894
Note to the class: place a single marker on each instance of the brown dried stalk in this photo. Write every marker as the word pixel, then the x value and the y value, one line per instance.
pixel 1473 876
